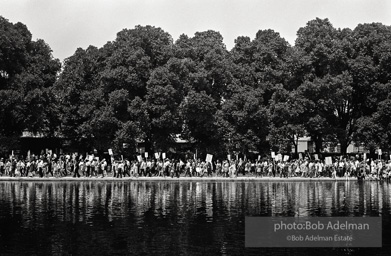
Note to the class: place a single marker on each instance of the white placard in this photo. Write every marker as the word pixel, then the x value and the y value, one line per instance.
pixel 139 158
pixel 209 158
pixel 329 160
pixel 229 157
pixel 286 158
pixel 273 155
pixel 259 157
pixel 279 157
pixel 110 152
pixel 146 154
pixel 164 155
pixel 379 152
pixel 157 155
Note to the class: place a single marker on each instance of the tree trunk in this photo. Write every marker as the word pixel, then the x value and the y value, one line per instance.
pixel 344 146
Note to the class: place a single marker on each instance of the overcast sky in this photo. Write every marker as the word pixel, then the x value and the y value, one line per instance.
pixel 68 24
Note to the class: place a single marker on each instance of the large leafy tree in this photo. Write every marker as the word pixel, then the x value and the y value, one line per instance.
pixel 27 73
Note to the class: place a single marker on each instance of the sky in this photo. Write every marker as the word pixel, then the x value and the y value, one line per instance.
pixel 69 24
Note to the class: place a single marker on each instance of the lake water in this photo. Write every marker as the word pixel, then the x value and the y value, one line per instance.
pixel 173 217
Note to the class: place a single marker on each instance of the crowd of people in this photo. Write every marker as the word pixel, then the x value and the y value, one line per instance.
pixel 64 166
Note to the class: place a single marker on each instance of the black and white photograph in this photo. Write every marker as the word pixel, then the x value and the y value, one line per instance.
pixel 195 127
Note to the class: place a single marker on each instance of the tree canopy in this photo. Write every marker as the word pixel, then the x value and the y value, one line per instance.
pixel 332 85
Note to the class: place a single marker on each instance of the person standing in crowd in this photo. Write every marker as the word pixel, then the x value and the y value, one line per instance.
pixel 76 168
pixel 188 168
pixel 2 167
pixel 143 168
pixel 134 171
pixel 127 168
pixel 148 166
pixel 232 170
pixel 172 168
pixel 219 168
pixel 159 168
pixel 177 167
pixel 209 169
pixel 120 168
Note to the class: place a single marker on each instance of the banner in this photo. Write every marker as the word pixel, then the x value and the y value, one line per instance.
pixel 229 157
pixel 139 158
pixel 329 160
pixel 164 155
pixel 286 158
pixel 209 158
pixel 110 152
pixel 273 155
pixel 146 154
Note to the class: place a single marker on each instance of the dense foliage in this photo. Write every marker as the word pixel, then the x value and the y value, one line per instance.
pixel 333 85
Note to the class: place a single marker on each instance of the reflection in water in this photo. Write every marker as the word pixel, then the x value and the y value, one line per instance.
pixel 168 217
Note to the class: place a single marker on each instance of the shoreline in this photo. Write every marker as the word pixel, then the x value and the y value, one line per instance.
pixel 252 179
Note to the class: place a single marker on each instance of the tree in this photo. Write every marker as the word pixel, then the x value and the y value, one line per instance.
pixel 285 115
pixel 245 122
pixel 27 73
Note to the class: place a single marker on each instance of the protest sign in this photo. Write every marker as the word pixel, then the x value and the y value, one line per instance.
pixel 279 157
pixel 91 157
pixel 273 155
pixel 139 158
pixel 157 155
pixel 110 152
pixel 379 152
pixel 286 158
pixel 329 160
pixel 146 154
pixel 164 155
pixel 209 158
pixel 259 157
pixel 229 157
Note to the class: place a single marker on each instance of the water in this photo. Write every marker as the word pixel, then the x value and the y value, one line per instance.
pixel 173 218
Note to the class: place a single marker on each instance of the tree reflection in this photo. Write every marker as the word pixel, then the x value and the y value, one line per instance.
pixel 173 217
